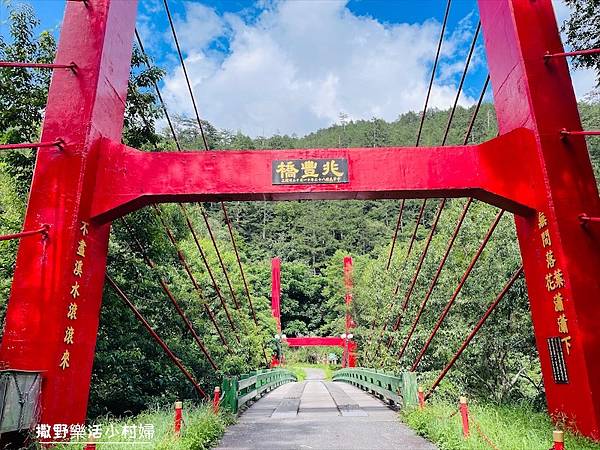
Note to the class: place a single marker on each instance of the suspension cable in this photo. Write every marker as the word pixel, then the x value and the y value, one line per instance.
pixel 184 209
pixel 429 88
pixel 423 205
pixel 183 261
pixel 187 78
pixel 188 269
pixel 159 95
pixel 462 82
pixel 458 289
pixel 415 276
pixel 456 229
pixel 219 257
pixel 391 303
pixel 193 99
pixel 477 327
pixel 239 263
pixel 444 200
pixel 446 133
pixel 398 226
pixel 156 337
pixel 437 275
pixel 411 243
pixel 169 294
pixel 203 256
pixel 43 230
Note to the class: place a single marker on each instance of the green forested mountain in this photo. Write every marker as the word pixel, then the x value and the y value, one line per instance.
pixel 311 237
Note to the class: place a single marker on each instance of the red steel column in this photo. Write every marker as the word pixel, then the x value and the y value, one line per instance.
pixel 276 291
pixel 561 258
pixel 348 289
pixel 53 310
pixel 350 348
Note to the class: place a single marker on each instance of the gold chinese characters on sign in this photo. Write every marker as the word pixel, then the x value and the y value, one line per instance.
pixel 309 171
pixel 554 282
pixel 74 292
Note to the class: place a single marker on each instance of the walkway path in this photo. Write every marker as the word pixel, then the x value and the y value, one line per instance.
pixel 317 414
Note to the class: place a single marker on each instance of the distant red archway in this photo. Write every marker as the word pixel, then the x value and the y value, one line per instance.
pixel 349 345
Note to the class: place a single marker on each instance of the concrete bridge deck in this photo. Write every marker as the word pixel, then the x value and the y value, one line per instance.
pixel 318 414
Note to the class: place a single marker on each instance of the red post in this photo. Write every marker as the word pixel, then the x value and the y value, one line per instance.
pixel 53 309
pixel 90 446
pixel 178 417
pixel 559 440
pixel 216 400
pixel 421 397
pixel 348 289
pixel 464 414
pixel 276 291
pixel 352 353
pixel 560 257
pixel 349 359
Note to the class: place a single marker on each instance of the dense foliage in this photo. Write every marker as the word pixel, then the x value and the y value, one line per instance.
pixel 131 372
pixel 583 32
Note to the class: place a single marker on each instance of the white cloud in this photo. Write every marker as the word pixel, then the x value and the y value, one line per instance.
pixel 297 65
pixel 199 28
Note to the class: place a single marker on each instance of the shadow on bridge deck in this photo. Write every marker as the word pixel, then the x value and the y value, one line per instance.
pixel 316 414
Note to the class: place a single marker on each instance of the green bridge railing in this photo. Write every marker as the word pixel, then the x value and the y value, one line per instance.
pixel 239 390
pixel 398 389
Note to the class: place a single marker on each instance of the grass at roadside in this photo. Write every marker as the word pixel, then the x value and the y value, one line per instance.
pixel 508 427
pixel 201 430
pixel 298 369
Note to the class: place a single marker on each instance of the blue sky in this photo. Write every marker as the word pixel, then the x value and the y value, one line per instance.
pixel 292 66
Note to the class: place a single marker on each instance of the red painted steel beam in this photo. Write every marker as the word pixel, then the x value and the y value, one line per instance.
pixel 128 179
pixel 537 94
pixel 348 291
pixel 82 108
pixel 276 291
pixel 315 341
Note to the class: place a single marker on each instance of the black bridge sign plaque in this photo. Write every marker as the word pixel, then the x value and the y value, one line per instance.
pixel 309 171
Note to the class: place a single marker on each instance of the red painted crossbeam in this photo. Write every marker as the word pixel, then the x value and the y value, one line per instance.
pixel 501 171
pixel 316 341
pixel 319 341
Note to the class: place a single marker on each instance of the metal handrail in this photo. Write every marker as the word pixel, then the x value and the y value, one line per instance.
pixel 240 390
pixel 396 389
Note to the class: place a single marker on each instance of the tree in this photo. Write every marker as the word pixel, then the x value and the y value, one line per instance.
pixel 23 94
pixel 583 32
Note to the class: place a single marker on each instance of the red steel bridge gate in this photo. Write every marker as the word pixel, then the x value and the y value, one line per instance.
pixel 85 178
pixel 344 341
